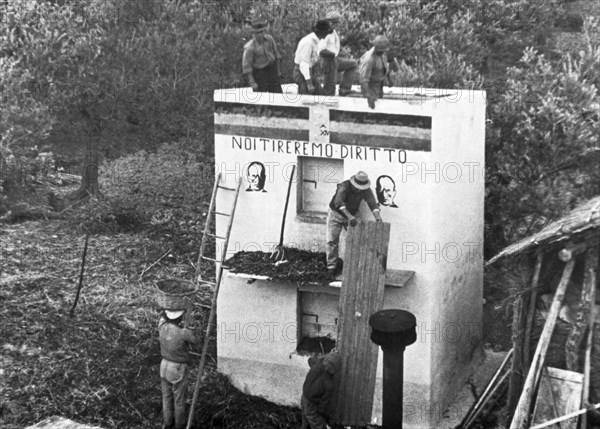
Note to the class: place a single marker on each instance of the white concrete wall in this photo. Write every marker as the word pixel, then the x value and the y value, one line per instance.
pixel 437 231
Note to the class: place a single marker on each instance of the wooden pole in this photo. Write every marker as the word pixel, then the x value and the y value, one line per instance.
pixel 522 412
pixel 531 311
pixel 581 321
pixel 565 417
pixel 85 246
pixel 474 410
pixel 589 281
pixel 517 370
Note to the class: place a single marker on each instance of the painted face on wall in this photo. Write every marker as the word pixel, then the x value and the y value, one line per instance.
pixel 386 191
pixel 256 176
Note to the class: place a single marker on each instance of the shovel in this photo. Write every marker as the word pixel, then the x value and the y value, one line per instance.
pixel 278 253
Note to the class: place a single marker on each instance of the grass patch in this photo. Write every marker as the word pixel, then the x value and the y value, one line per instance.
pixel 100 367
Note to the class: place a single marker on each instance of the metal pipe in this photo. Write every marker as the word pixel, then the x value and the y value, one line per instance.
pixel 393 330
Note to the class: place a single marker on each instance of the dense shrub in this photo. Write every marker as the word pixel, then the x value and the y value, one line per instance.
pixel 150 185
pixel 543 139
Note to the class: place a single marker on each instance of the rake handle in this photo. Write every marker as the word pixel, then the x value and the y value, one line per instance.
pixel 287 200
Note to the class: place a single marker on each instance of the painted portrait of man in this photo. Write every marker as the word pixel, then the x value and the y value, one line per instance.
pixel 385 189
pixel 256 177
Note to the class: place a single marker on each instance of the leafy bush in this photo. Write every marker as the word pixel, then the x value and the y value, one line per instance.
pixel 543 142
pixel 170 181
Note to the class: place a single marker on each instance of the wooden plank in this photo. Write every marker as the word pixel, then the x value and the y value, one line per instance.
pixel 362 375
pixel 398 278
pixel 531 312
pixel 521 416
pixel 559 394
pixel 591 264
pixel 518 337
pixel 346 300
pixel 361 295
pixel 582 316
pixel 375 305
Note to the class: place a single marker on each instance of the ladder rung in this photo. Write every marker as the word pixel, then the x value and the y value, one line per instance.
pixel 216 236
pixel 223 214
pixel 210 259
pixel 226 188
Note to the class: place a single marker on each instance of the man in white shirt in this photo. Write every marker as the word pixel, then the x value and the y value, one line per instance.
pixel 329 50
pixel 306 60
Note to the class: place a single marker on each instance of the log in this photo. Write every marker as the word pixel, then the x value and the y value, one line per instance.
pixel 581 318
pixel 531 312
pixel 589 281
pixel 517 370
pixel 522 412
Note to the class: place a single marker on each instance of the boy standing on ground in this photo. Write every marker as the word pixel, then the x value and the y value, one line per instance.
pixel 317 390
pixel 175 342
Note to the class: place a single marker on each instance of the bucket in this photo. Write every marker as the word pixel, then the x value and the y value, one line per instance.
pixel 172 294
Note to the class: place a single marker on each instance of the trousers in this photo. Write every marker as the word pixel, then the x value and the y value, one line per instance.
pixel 267 79
pixel 311 418
pixel 335 223
pixel 332 67
pixel 173 383
pixel 301 81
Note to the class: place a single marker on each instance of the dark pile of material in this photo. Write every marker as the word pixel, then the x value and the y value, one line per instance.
pixel 311 345
pixel 301 265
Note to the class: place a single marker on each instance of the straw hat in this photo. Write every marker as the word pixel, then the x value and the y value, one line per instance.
pixel 259 23
pixel 360 181
pixel 333 15
pixel 174 314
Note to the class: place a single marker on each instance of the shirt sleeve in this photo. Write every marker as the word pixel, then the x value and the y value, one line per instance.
pixel 339 199
pixel 371 201
pixel 365 69
pixel 247 59
pixel 304 54
pixel 274 46
pixel 191 337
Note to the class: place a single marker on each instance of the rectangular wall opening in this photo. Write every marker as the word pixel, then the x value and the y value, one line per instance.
pixel 317 181
pixel 317 327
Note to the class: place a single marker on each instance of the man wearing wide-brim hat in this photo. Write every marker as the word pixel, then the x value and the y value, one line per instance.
pixel 261 61
pixel 343 209
pixel 175 342
pixel 306 60
pixel 331 63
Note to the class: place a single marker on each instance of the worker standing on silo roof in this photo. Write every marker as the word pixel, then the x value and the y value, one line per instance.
pixel 175 342
pixel 306 60
pixel 329 50
pixel 261 62
pixel 373 69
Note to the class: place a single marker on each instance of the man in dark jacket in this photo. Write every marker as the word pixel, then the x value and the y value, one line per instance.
pixel 318 389
pixel 175 342
pixel 343 209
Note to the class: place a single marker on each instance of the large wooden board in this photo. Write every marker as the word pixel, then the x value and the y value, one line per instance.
pixel 361 296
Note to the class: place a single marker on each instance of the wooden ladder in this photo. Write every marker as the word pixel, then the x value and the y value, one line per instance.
pixel 219 275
